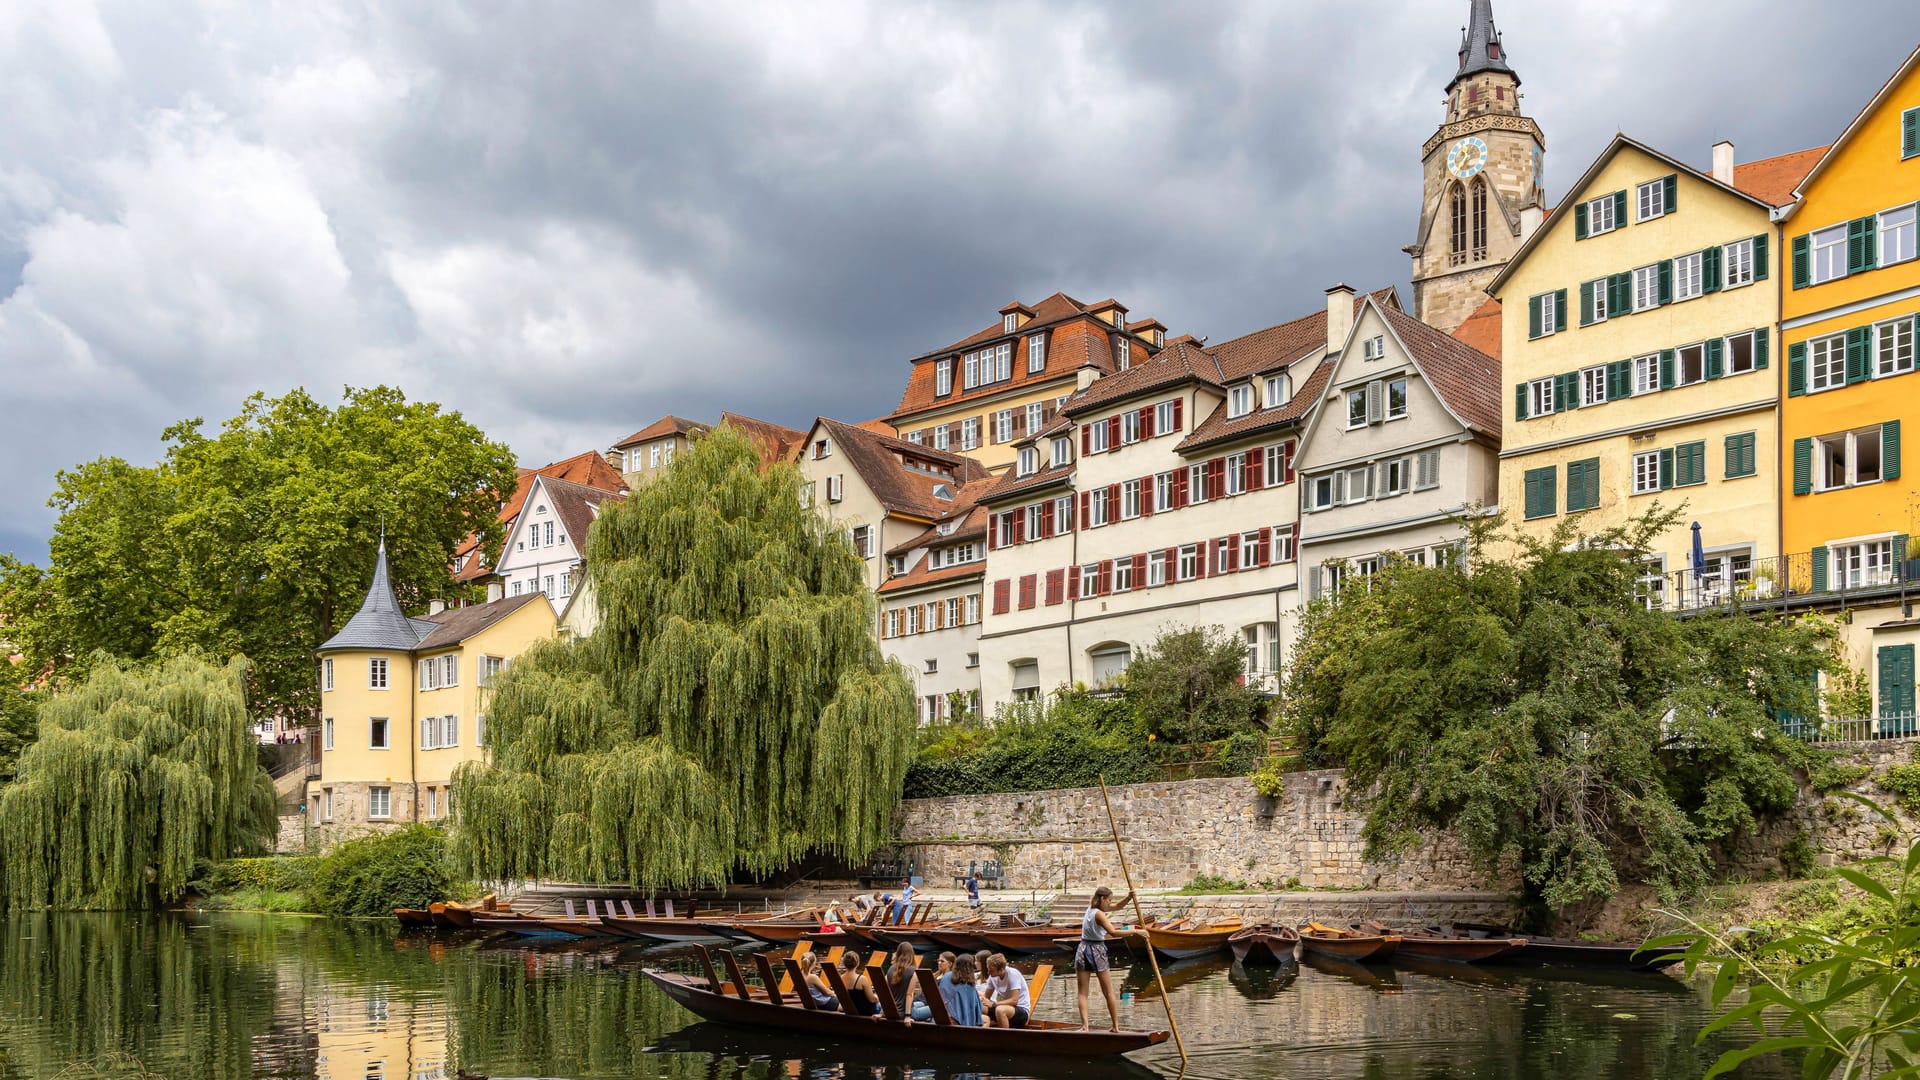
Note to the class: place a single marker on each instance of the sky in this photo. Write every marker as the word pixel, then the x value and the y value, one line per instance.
pixel 565 220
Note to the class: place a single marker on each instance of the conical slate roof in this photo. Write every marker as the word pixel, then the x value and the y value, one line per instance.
pixel 1480 46
pixel 379 624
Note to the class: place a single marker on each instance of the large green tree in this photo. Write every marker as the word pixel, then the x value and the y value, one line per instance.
pixel 1542 710
pixel 255 539
pixel 138 772
pixel 731 710
pixel 18 726
pixel 1189 686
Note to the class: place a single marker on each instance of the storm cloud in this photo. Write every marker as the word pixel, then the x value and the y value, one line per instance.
pixel 566 219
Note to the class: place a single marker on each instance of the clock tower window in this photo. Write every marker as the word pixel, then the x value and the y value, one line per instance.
pixel 1457 204
pixel 1479 218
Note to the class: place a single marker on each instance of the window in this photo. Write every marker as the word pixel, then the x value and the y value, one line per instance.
pixel 1359 484
pixel 379 802
pixel 1853 566
pixel 942 379
pixel 1283 550
pixel 1062 450
pixel 1357 407
pixel 1646 472
pixel 1196 483
pixel 1593 386
pixel 1029 461
pixel 863 541
pixel 1740 455
pixel 1910 133
pixel 970 433
pixel 566 584
pixel 1583 484
pixel 1457 218
pixel 1848 459
pixel 1320 492
pixel 1096 437
pixel 1740 353
pixel 1097 508
pixel 1827 362
pixel 653 456
pixel 376 673
pixel 1163 417
pixel 1426 470
pixel 1237 474
pixel 1130 500
pixel 1539 397
pixel 326 674
pixel 1090 579
pixel 1002 362
pixel 1129 427
pixel 1003 426
pixel 1737 263
pixel 1689 464
pixel 972 377
pixel 1162 492
pixel 490 668
pixel 896 565
pixel 1600 215
pixel 1010 323
pixel 1896 235
pixel 973 608
pixel 1542 500
pixel 377 733
pixel 1829 254
pixel 1156 569
pixel 516 585
pixel 1278 393
pixel 1690 364
pixel 1595 294
pixel 1550 319
pixel 1374 348
pixel 1121 356
pixel 666 454
pixel 1123 575
pixel 1396 398
pixel 1653 582
pixel 1688 278
pixel 1026 680
pixel 479 739
pixel 326 804
pixel 940 438
pixel 1651 198
pixel 1189 565
pixel 1063 514
pixel 1223 560
pixel 1277 469
pixel 549 587
pixel 449 669
pixel 1036 353
pixel 1396 476
pixel 326 733
pixel 1646 287
pixel 1646 373
pixel 1036 417
pixel 1893 347
pixel 1239 400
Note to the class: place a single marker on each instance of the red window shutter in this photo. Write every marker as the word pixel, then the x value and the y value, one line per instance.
pixel 1019 526
pixel 1173 564
pixel 1235 557
pixel 1200 559
pixel 1002 593
pixel 993 532
pixel 1146 421
pixel 1027 585
pixel 1180 487
pixel 1106 576
pixel 1113 502
pixel 1056 586
pixel 1046 518
pixel 1265 554
pixel 1113 433
pixel 1286 458
pixel 1086 441
pixel 1073 583
pixel 1217 478
pixel 1084 513
pixel 1178 403
pixel 1140 571
pixel 1146 496
pixel 1256 467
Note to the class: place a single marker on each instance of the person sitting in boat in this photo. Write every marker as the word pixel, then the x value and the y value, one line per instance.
pixel 822 994
pixel 1007 994
pixel 980 973
pixel 962 996
pixel 1090 956
pixel 903 907
pixel 859 986
pixel 900 978
pixel 831 920
pixel 942 967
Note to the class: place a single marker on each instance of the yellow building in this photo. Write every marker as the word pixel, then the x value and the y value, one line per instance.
pixel 1848 323
pixel 1638 348
pixel 402 702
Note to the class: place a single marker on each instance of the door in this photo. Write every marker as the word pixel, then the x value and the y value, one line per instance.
pixel 1896 690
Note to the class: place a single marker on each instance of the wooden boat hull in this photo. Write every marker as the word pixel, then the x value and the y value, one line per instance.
pixel 1023 940
pixel 542 926
pixel 458 916
pixel 666 931
pixel 1456 950
pixel 1264 945
pixel 1360 947
pixel 890 938
pixel 414 917
pixel 1065 1041
pixel 1185 944
pixel 1565 952
pixel 778 933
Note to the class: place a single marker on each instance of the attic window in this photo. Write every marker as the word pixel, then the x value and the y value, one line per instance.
pixel 943 492
pixel 540 509
pixel 1240 400
pixel 1159 338
pixel 946 528
pixel 1121 355
pixel 1375 348
pixel 823 448
pixel 1011 322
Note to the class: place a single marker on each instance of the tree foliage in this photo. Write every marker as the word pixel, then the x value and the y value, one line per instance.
pixel 253 540
pixel 731 709
pixel 1189 686
pixel 1070 741
pixel 137 773
pixel 18 726
pixel 372 875
pixel 1540 709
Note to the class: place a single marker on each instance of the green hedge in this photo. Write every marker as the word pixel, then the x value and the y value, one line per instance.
pixel 283 873
pixel 375 874
pixel 1070 743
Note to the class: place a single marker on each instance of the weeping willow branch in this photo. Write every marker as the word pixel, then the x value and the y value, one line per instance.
pixel 137 773
pixel 732 710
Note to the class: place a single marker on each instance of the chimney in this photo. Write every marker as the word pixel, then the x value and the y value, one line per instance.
pixel 1339 316
pixel 435 607
pixel 1530 219
pixel 616 459
pixel 1723 162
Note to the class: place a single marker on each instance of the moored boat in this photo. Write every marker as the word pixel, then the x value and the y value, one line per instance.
pixel 1347 944
pixel 1568 952
pixel 413 917
pixel 1264 943
pixel 1450 947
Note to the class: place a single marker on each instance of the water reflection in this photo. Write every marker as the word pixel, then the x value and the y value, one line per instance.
pixel 228 997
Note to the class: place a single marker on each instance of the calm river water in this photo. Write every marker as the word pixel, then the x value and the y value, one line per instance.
pixel 221 997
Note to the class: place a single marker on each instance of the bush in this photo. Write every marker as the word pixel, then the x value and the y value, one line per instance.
pixel 1904 782
pixel 375 874
pixel 1189 686
pixel 1070 742
pixel 1241 753
pixel 1834 776
pixel 283 874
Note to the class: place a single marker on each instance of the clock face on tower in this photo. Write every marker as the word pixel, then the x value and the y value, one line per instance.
pixel 1467 157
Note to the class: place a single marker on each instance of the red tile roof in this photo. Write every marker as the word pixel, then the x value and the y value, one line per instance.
pixel 1466 379
pixel 878 460
pixel 1010 485
pixel 1183 361
pixel 972 525
pixel 879 426
pixel 577 505
pixel 777 443
pixel 1482 328
pixel 919 577
pixel 1772 180
pixel 1217 428
pixel 661 428
pixel 589 469
pixel 1075 339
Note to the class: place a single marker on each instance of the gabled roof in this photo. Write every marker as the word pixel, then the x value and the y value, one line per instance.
pixel 1466 380
pixel 661 428
pixel 1846 136
pixel 1578 190
pixel 1218 428
pixel 877 460
pixel 455 625
pixel 379 624
pixel 1010 485
pixel 1772 180
pixel 879 426
pixel 1482 328
pixel 971 525
pixel 576 505
pixel 779 443
pixel 918 576
pixel 1181 362
pixel 590 469
pixel 1076 339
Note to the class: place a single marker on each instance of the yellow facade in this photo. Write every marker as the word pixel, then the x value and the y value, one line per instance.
pixel 1625 402
pixel 994 455
pixel 1849 503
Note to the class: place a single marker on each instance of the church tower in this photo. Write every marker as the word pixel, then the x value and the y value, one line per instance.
pixel 1483 181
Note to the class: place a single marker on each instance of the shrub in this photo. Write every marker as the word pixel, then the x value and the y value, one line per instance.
pixel 1189 686
pixel 284 874
pixel 1904 782
pixel 1210 884
pixel 1241 752
pixel 375 874
pixel 1834 776
pixel 1070 742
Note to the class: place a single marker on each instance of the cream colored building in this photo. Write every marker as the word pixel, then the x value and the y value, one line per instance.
pixel 403 700
pixel 930 610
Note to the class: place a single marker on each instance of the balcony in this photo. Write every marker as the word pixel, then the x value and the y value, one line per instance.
pixel 1829 578
pixel 1855 730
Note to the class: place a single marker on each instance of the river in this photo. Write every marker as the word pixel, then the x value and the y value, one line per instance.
pixel 227 996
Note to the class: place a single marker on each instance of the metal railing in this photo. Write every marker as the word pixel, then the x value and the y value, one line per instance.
pixel 1784 581
pixel 1852 730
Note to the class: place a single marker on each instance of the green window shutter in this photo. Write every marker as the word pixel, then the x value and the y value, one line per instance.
pixel 1760 257
pixel 1820 569
pixel 1580 221
pixel 1559 310
pixel 1575 484
pixel 1620 379
pixel 1520 402
pixel 1586 303
pixel 1760 348
pixel 1710 269
pixel 1666 369
pixel 1666 469
pixel 1665 276
pixel 1803 466
pixel 1542 493
pixel 1593 482
pixel 1716 357
pixel 1890 454
pixel 1619 294
pixel 1566 391
pixel 1619 209
pixel 1672 192
pixel 1533 317
pixel 1909 133
pixel 1693 457
pixel 1739 455
pixel 1859 350
pixel 1860 244
pixel 1796 369
pixel 1802 262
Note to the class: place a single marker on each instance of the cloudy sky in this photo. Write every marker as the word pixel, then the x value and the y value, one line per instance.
pixel 567 218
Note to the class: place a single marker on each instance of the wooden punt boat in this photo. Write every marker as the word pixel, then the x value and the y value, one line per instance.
pixel 1611 955
pixel 733 1001
pixel 1375 977
pixel 1020 940
pixel 413 917
pixel 541 925
pixel 1264 943
pixel 1347 944
pixel 778 931
pixel 457 916
pixel 1185 938
pixel 1454 948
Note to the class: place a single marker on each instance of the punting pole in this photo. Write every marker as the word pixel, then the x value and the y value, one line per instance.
pixel 1140 919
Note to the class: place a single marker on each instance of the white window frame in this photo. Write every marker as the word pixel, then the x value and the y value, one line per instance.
pixel 1003 362
pixel 1236 478
pixel 380 803
pixel 1063 514
pixel 1597 292
pixel 1273 467
pixel 1549 313
pixel 1540 397
pixel 1827 248
pixel 943 377
pixel 1036 353
pixel 1826 362
pixel 1239 400
pixel 1323 492
pixel 1358 485
pixel 1397 389
pixel 1156 569
pixel 1646 472
pixel 1859 564
pixel 326 733
pixel 1649 199
pixel 378 673
pixel 1036 417
pixel 1009 323
pixel 1697 349
pixel 1893 347
pixel 1646 287
pixel 1851 444
pixel 1396 477
pixel 386 733
pixel 1356 397
pixel 1089 579
pixel 1035 518
pixel 971 371
pixel 1129 500
pixel 1646 373
pixel 1278 393
pixel 973 608
pixel 1123 575
pixel 653 456
pixel 1122 356
pixel 1196 483
pixel 1689 276
pixel 1736 264
pixel 970 433
pixel 1594 215
pixel 1282 549
pixel 1097 437
pixel 1029 461
pixel 1163 417
pixel 1902 232
pixel 1129 427
pixel 326 674
pixel 1097 508
pixel 1729 353
pixel 1003 426
pixel 1162 492
pixel 940 440
pixel 1593 385
pixel 1188 566
pixel 1062 450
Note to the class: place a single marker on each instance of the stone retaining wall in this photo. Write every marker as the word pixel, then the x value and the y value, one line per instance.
pixel 1175 832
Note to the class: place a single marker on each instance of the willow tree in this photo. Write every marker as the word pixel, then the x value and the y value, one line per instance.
pixel 731 710
pixel 137 773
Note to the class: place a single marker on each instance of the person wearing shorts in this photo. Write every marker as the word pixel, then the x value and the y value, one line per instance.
pixel 1010 1003
pixel 1090 956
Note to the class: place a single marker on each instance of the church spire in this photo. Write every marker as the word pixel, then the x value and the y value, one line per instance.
pixel 1480 45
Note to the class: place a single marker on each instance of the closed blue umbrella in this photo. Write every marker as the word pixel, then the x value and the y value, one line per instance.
pixel 1699 553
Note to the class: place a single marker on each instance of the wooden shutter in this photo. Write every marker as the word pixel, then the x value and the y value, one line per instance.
pixel 1619 379
pixel 1668 469
pixel 1203 548
pixel 1140 571
pixel 1106 576
pixel 1178 404
pixel 1113 433
pixel 1559 310
pixel 1820 569
pixel 1910 133
pixel 1666 369
pixel 1046 519
pixel 1086 513
pixel 1286 459
pixel 1264 557
pixel 1376 405
pixel 1760 349
pixel 1146 496
pixel 1860 237
pixel 1802 261
pixel 1663 275
pixel 1086 441
pixel 1028 591
pixel 993 532
pixel 1019 526
pixel 1566 391
pixel 1580 221
pixel 1217 478
pixel 1113 502
pixel 1234 560
pixel 1716 357
pixel 1672 184
pixel 1619 209
pixel 1520 401
pixel 1890 458
pixel 1002 593
pixel 1796 369
pixel 1803 466
pixel 1760 262
pixel 1073 583
pixel 1146 421
pixel 1576 484
pixel 1179 486
pixel 1859 353
pixel 1533 316
pixel 1586 302
pixel 1256 468
pixel 1710 269
pixel 1056 586
pixel 1172 564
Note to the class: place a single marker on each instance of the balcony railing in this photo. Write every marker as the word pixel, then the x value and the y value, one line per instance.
pixel 1858 729
pixel 1801 579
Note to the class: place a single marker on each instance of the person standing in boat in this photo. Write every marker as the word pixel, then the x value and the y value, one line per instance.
pixel 1090 956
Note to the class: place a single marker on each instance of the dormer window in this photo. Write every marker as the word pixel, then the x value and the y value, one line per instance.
pixel 1279 392
pixel 1159 337
pixel 1029 461
pixel 822 448
pixel 1121 354
pixel 1010 323
pixel 943 377
pixel 1036 353
pixel 1239 401
pixel 943 492
pixel 1062 450
pixel 896 564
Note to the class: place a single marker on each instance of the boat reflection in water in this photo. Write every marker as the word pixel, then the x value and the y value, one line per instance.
pixel 1262 982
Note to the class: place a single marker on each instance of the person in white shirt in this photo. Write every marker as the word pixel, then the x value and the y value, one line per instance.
pixel 1007 991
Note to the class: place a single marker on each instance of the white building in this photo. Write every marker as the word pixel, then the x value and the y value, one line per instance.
pixel 545 543
pixel 930 609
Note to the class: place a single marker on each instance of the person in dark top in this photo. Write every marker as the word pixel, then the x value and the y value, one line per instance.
pixel 859 986
pixel 900 978
pixel 973 889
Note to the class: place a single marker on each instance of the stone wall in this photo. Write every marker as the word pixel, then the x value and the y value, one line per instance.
pixel 1174 833
pixel 1838 829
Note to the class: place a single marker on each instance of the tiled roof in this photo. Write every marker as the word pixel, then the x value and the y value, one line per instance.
pixel 1277 346
pixel 879 426
pixel 456 625
pixel 972 526
pixel 876 458
pixel 1466 379
pixel 1772 180
pixel 919 577
pixel 1482 328
pixel 1075 339
pixel 1217 428
pixel 379 624
pixel 779 443
pixel 591 469
pixel 1181 362
pixel 1006 487
pixel 666 425
pixel 576 505
pixel 1052 309
pixel 1480 45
